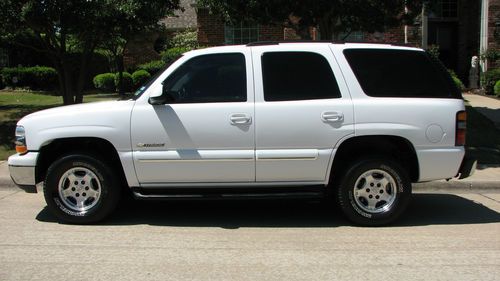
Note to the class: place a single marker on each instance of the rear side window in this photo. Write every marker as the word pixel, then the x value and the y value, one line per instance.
pixel 297 76
pixel 400 73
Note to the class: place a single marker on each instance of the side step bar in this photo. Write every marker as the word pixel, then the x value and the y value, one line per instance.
pixel 227 193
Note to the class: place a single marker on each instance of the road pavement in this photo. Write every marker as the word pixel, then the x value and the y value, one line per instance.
pixel 442 236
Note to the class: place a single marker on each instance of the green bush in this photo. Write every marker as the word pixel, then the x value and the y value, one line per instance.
pixel 488 80
pixel 34 78
pixel 171 54
pixel 184 39
pixel 140 77
pixel 104 82
pixel 497 88
pixel 153 66
pixel 128 85
pixel 457 80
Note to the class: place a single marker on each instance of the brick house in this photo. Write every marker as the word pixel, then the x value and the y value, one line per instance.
pixel 460 28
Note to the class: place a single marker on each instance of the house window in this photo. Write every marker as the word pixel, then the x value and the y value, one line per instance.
pixel 355 36
pixel 241 33
pixel 445 9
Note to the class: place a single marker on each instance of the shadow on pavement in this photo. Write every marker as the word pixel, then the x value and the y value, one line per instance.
pixel 425 209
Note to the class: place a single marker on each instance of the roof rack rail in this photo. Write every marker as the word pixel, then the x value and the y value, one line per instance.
pixel 264 43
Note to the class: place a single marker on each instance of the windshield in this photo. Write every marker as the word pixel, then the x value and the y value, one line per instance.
pixel 146 85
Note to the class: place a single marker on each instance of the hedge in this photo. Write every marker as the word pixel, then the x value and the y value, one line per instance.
pixel 171 54
pixel 456 80
pixel 34 78
pixel 140 77
pixel 488 80
pixel 153 66
pixel 126 80
pixel 105 82
pixel 497 88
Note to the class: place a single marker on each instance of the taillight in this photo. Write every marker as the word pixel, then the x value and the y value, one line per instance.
pixel 461 128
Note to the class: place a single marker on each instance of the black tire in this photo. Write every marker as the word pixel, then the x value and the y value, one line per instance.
pixel 103 184
pixel 368 207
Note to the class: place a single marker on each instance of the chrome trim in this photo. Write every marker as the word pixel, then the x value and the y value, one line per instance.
pixel 22 175
pixel 194 160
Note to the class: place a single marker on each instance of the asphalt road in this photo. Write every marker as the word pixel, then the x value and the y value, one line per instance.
pixel 441 237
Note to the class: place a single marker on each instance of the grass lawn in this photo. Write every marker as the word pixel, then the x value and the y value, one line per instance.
pixel 16 104
pixel 483 139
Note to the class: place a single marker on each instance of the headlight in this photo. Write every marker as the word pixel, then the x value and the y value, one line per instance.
pixel 21 140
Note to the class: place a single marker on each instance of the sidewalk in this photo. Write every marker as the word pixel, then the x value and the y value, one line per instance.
pixel 489 107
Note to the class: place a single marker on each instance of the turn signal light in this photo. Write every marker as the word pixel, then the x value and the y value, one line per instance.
pixel 461 128
pixel 21 149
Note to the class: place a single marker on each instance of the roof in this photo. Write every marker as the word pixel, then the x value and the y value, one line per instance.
pixel 182 19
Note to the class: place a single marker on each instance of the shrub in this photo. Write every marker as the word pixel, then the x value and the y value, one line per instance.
pixel 457 80
pixel 140 77
pixel 126 80
pixel 34 78
pixel 488 80
pixel 184 39
pixel 104 82
pixel 497 88
pixel 153 66
pixel 171 54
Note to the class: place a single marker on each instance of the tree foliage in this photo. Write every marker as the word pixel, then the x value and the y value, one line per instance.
pixel 332 17
pixel 64 27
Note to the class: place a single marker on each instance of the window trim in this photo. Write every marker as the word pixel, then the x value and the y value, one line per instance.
pixel 228 28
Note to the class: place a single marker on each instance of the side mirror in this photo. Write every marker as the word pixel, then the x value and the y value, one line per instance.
pixel 165 97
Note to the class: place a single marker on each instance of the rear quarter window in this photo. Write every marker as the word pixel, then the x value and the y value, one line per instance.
pixel 400 73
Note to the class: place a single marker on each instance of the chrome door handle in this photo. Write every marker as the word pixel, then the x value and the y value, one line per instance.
pixel 240 119
pixel 332 116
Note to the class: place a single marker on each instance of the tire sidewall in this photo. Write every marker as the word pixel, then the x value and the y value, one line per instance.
pixel 360 216
pixel 107 185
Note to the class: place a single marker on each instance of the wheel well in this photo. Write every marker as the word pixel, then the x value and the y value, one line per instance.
pixel 397 148
pixel 88 145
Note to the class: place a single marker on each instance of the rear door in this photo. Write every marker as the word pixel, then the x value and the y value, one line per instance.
pixel 302 111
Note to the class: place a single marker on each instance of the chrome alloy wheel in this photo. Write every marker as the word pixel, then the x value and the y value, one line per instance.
pixel 375 191
pixel 79 189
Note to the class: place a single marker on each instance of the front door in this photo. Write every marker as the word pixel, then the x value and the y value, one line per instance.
pixel 207 133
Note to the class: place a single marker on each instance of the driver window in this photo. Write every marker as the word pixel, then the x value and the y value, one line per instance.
pixel 209 78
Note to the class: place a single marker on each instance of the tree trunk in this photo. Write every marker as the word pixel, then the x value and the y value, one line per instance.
pixel 82 74
pixel 120 68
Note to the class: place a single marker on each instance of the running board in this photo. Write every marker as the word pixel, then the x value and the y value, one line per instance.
pixel 227 193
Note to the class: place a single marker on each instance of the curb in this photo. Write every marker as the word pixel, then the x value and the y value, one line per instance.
pixel 469 186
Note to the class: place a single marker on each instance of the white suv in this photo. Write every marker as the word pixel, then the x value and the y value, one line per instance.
pixel 358 121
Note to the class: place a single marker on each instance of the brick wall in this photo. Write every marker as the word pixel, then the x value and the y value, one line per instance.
pixel 493 17
pixel 210 28
pixel 270 33
pixel 140 50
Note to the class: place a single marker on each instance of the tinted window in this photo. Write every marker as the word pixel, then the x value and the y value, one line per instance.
pixel 297 76
pixel 400 73
pixel 209 78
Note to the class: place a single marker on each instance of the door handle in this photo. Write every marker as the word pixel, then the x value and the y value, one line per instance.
pixel 240 119
pixel 332 116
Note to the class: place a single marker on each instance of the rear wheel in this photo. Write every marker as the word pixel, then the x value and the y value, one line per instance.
pixel 81 189
pixel 374 192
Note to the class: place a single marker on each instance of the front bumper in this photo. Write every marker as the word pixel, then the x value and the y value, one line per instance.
pixel 22 170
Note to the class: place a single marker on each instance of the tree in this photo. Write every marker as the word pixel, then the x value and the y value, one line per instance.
pixel 70 30
pixel 332 17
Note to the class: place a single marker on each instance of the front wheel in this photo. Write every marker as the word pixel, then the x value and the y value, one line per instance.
pixel 81 189
pixel 374 192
